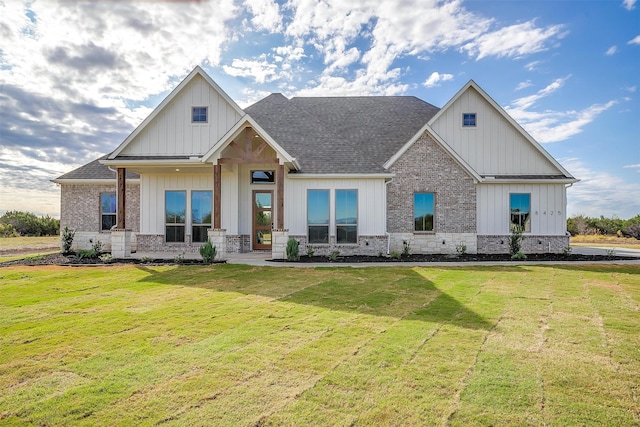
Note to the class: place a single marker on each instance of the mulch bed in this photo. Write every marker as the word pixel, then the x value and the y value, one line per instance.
pixel 458 258
pixel 74 260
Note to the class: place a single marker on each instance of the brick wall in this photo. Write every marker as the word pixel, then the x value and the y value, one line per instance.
pixel 80 206
pixel 426 167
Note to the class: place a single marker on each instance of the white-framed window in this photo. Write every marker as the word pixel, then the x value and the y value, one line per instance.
pixel 318 216
pixel 469 120
pixel 424 210
pixel 346 216
pixel 201 212
pixel 107 211
pixel 198 114
pixel 520 211
pixel 175 213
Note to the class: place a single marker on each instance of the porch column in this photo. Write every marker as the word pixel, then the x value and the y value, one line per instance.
pixel 280 197
pixel 121 237
pixel 121 198
pixel 217 178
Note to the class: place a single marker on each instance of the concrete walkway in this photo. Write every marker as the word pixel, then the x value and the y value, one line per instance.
pixel 262 259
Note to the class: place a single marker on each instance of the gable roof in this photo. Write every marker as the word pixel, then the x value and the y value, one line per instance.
pixel 333 135
pixel 197 71
pixel 93 171
pixel 506 116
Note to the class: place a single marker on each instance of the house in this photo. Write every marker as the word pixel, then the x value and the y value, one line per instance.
pixel 361 175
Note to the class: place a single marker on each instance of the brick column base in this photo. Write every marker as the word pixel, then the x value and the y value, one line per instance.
pixel 218 238
pixel 121 243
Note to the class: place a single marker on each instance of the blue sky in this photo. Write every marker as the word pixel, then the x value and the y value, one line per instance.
pixel 77 77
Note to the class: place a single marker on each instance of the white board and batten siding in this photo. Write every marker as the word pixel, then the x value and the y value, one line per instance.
pixel 548 202
pixel 171 132
pixel 371 203
pixel 494 146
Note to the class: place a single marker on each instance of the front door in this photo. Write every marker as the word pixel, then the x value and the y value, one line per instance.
pixel 262 219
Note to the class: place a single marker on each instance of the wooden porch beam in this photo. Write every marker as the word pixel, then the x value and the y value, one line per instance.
pixel 121 197
pixel 249 142
pixel 280 196
pixel 217 186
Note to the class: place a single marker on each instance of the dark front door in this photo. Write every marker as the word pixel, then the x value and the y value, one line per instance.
pixel 262 219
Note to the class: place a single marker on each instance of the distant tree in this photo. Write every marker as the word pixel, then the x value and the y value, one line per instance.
pixel 28 224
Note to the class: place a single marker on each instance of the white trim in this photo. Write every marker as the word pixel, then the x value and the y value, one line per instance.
pixel 443 145
pixel 81 181
pixel 156 162
pixel 491 180
pixel 340 176
pixel 196 71
pixel 499 109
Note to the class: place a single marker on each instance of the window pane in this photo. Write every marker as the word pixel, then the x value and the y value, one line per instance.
pixel 520 211
pixel 318 234
pixel 108 221
pixel 423 211
pixel 469 119
pixel 346 206
pixel 201 202
pixel 199 114
pixel 347 234
pixel 262 177
pixel 199 233
pixel 175 207
pixel 108 203
pixel 317 207
pixel 174 233
pixel 263 200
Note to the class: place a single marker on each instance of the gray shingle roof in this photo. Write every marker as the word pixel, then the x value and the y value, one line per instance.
pixel 342 134
pixel 95 170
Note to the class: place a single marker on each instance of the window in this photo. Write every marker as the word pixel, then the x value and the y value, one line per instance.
pixel 318 216
pixel 199 114
pixel 423 211
pixel 201 202
pixel 469 120
pixel 107 211
pixel 520 211
pixel 346 216
pixel 175 215
pixel 263 177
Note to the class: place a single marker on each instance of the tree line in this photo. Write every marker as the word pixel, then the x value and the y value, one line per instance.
pixel 580 224
pixel 17 223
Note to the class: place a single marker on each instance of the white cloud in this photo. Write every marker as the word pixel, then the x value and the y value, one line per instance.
pixel 635 40
pixel 553 126
pixel 629 4
pixel 260 70
pixel 611 51
pixel 435 78
pixel 514 41
pixel 266 15
pixel 524 85
pixel 633 167
pixel 600 193
pixel 532 66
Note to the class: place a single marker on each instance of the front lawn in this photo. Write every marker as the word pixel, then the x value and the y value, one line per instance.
pixel 238 345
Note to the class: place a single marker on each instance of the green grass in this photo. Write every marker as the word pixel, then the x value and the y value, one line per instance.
pixel 238 345
pixel 21 242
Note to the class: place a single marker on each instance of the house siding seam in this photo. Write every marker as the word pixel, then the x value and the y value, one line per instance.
pixel 426 167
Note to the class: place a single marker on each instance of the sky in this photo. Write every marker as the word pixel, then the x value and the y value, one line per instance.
pixel 77 77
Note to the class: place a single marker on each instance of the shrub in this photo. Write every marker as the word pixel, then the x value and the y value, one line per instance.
pixel 333 255
pixel 208 252
pixel 293 251
pixel 106 258
pixel 67 240
pixel 310 251
pixel 406 248
pixel 86 253
pixel 518 256
pixel 7 230
pixel 96 246
pixel 395 255
pixel 461 248
pixel 515 239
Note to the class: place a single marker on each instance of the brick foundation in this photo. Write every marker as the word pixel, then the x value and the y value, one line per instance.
pixel 367 245
pixel 531 244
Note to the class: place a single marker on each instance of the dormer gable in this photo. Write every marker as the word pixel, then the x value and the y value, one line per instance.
pixel 489 140
pixel 188 122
